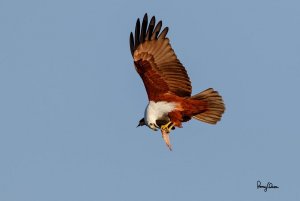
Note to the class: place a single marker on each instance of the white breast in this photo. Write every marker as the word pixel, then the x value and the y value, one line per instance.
pixel 157 110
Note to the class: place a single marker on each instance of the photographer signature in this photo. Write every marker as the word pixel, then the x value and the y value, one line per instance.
pixel 269 185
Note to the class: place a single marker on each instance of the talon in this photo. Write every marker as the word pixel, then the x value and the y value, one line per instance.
pixel 167 127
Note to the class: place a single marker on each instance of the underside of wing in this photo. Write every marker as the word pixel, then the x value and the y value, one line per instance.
pixel 156 62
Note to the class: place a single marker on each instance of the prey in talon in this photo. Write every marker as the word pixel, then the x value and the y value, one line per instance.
pixel 167 83
pixel 165 136
pixel 165 129
pixel 165 126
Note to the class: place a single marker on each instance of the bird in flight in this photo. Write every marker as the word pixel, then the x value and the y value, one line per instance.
pixel 167 83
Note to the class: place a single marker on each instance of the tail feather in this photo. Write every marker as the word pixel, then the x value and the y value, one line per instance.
pixel 215 106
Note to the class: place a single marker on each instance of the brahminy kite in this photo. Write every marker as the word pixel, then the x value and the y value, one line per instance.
pixel 167 83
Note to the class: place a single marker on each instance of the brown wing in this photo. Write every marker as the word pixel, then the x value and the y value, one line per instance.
pixel 156 62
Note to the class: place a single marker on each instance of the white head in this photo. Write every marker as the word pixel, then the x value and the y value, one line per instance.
pixel 150 121
pixel 151 125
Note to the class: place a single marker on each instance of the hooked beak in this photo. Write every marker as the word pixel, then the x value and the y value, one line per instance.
pixel 140 124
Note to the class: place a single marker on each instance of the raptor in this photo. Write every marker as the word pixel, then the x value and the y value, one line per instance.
pixel 167 83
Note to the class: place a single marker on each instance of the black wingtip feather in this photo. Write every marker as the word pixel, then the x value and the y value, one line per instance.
pixel 163 33
pixel 150 28
pixel 137 32
pixel 156 30
pixel 144 28
pixel 144 32
pixel 131 42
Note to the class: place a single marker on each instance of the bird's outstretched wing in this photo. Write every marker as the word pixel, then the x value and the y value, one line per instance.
pixel 156 62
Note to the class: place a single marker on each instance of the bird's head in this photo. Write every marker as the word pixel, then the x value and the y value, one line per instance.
pixel 151 125
pixel 141 122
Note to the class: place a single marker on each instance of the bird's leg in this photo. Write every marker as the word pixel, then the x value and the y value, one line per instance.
pixel 165 131
pixel 170 127
pixel 167 127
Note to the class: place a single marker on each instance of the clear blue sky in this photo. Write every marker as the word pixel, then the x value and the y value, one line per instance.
pixel 70 101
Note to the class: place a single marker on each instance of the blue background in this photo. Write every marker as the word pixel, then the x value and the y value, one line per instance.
pixel 70 100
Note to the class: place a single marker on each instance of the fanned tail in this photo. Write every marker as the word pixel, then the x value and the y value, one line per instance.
pixel 215 106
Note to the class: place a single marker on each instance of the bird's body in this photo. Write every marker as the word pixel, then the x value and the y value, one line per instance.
pixel 167 83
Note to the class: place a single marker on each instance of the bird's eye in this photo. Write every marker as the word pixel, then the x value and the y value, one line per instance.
pixel 151 124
